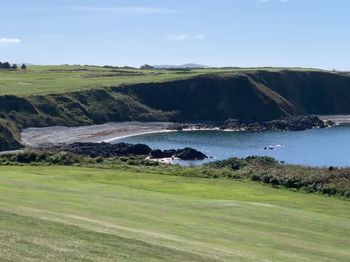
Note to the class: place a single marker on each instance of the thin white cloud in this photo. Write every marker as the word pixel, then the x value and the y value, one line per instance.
pixel 184 37
pixel 199 37
pixel 177 37
pixel 10 40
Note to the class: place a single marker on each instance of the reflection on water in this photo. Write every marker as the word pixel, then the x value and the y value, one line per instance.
pixel 316 147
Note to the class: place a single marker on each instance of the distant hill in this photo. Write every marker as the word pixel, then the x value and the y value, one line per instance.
pixel 190 65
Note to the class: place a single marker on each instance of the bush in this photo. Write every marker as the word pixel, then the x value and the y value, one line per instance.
pixel 255 177
pixel 262 160
pixel 231 163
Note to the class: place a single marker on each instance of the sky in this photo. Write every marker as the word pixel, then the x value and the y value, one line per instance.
pixel 243 33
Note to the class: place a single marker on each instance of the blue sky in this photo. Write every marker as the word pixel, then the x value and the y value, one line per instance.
pixel 307 33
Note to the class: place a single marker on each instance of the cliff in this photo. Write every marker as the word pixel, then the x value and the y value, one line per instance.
pixel 252 96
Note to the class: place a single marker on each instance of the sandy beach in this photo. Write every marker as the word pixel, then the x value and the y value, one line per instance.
pixel 36 137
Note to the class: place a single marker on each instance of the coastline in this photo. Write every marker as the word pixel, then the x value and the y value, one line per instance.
pixel 38 137
pixel 138 134
pixel 45 136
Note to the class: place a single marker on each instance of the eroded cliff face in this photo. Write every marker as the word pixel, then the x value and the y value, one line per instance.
pixel 262 95
pixel 215 98
pixel 310 92
pixel 9 136
pixel 258 96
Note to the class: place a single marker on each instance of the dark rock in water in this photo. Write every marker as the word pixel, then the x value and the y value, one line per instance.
pixel 157 153
pixel 295 123
pixel 169 153
pixel 190 154
pixel 183 154
pixel 125 149
pixel 329 123
pixel 137 149
pixel 292 123
pixel 105 149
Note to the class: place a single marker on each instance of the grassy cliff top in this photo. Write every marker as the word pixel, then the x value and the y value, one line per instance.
pixel 66 78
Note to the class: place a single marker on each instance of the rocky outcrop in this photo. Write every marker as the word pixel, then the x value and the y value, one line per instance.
pixel 157 153
pixel 189 154
pixel 297 123
pixel 125 149
pixel 186 153
pixel 103 149
pixel 292 123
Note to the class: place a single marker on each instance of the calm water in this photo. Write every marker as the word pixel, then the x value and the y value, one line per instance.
pixel 316 147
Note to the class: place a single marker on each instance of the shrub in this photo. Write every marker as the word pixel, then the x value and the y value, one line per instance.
pixel 231 163
pixel 255 177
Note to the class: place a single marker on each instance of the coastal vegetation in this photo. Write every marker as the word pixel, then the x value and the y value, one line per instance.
pixel 329 181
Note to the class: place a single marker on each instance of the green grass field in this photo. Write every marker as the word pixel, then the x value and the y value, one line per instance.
pixel 67 78
pixel 71 213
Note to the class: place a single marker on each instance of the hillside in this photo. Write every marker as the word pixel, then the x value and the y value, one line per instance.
pixel 87 214
pixel 42 80
pixel 261 95
pixel 200 95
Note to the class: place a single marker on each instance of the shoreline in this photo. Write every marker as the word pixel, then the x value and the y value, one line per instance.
pixel 138 134
pixel 39 137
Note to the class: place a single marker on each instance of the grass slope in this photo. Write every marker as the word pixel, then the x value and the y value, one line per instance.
pixel 70 213
pixel 40 80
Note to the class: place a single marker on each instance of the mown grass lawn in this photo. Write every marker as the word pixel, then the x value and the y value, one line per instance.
pixel 70 213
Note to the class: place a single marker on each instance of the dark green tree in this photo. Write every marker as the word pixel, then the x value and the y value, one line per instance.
pixel 23 67
pixel 6 65
pixel 14 66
